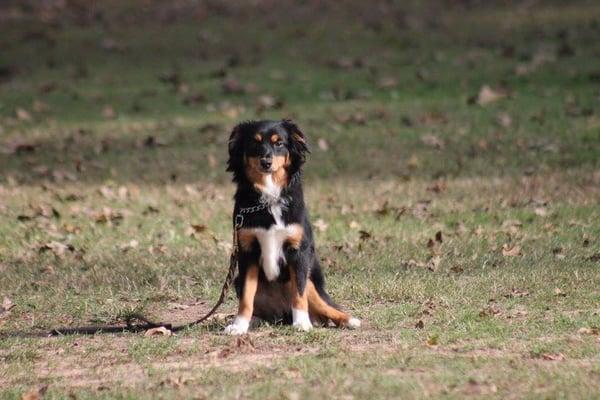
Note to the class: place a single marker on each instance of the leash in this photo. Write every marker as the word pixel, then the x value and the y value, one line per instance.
pixel 145 322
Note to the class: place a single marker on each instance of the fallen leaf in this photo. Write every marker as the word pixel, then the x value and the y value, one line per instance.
pixel 589 331
pixel 22 114
pixel 508 251
pixel 108 112
pixel 559 292
pixel 323 145
pixel 487 95
pixel 413 162
pixel 177 306
pixel 40 107
pixel 130 245
pixel 517 293
pixel 364 235
pixel 504 120
pixel 35 393
pixel 7 305
pixel 594 257
pixel 107 215
pixel 160 331
pixel 540 211
pixel 432 341
pixel 232 86
pixel 387 82
pixel 268 102
pixel 432 140
pixel 553 357
pixel 320 224
pixel 57 248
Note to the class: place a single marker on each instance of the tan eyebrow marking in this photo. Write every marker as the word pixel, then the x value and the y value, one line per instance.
pixel 274 138
pixel 258 137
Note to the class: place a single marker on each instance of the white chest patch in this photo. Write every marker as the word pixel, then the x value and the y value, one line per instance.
pixel 271 246
pixel 272 240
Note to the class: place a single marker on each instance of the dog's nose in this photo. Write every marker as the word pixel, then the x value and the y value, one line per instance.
pixel 266 163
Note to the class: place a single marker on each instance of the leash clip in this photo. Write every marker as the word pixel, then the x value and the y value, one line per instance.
pixel 239 221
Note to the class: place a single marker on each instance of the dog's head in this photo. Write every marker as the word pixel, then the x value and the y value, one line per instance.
pixel 259 148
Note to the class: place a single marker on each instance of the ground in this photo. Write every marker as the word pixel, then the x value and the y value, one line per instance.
pixel 454 185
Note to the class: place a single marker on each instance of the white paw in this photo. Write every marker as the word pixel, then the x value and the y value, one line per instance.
pixel 301 320
pixel 239 326
pixel 353 323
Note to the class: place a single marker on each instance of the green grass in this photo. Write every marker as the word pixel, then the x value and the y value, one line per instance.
pixel 453 320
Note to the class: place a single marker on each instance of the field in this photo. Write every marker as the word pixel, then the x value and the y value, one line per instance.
pixel 454 186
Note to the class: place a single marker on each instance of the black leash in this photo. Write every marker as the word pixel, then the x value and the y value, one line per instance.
pixel 146 323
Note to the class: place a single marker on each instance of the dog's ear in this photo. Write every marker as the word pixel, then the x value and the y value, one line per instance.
pixel 235 163
pixel 298 145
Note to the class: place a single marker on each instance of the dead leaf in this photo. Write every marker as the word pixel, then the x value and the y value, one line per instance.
pixel 130 245
pixel 108 112
pixel 508 251
pixel 420 324
pixel 490 311
pixel 589 331
pixel 432 140
pixel 268 102
pixel 40 107
pixel 323 145
pixel 195 230
pixel 387 82
pixel 432 341
pixel 540 211
pixel 364 235
pixel 232 86
pixel 504 119
pixel 517 293
pixel 553 357
pixel 35 393
pixel 320 224
pixel 487 95
pixel 57 248
pixel 107 215
pixel 160 331
pixel 22 114
pixel 177 306
pixel 558 292
pixel 7 305
pixel 413 162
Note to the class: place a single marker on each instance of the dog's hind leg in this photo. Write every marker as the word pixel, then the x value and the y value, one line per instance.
pixel 321 310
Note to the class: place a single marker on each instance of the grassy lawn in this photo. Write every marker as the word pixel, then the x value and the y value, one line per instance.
pixel 454 184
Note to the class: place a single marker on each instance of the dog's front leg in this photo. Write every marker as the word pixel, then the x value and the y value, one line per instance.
pixel 300 316
pixel 240 324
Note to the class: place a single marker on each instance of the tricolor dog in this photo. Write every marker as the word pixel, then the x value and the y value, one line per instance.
pixel 279 277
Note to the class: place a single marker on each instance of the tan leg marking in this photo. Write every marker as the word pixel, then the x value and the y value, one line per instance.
pixel 247 299
pixel 320 308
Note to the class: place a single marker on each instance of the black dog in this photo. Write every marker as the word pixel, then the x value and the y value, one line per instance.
pixel 279 279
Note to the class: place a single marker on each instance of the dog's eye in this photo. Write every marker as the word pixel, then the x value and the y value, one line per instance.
pixel 279 144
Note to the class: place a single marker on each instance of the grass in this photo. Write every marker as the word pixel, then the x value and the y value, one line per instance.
pixel 119 148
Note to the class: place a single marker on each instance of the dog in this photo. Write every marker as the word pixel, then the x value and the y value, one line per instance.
pixel 279 277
